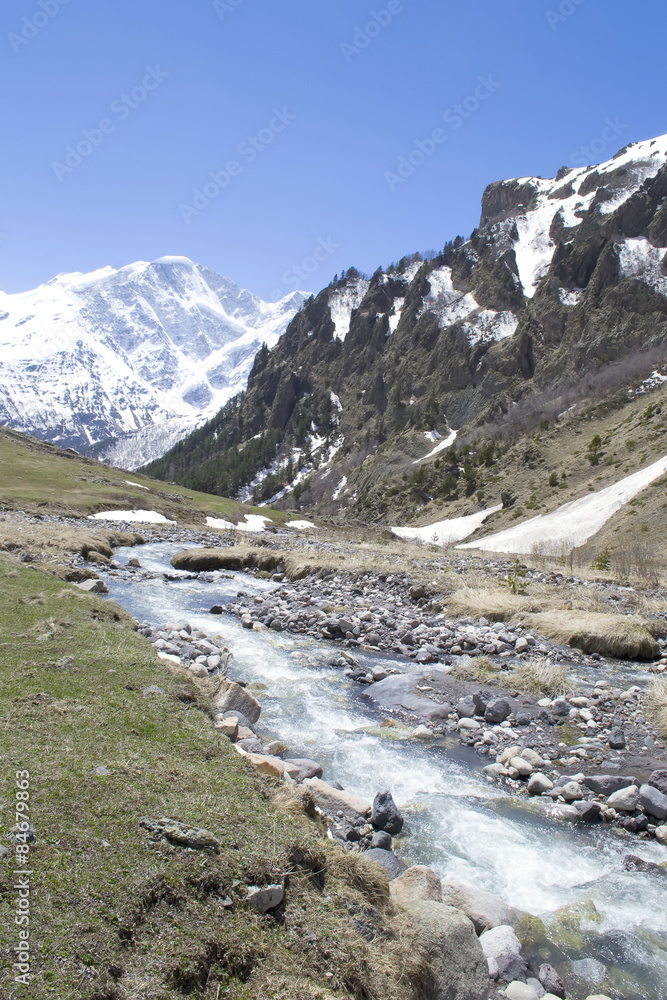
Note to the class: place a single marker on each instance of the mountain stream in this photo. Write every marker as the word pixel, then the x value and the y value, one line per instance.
pixel 609 925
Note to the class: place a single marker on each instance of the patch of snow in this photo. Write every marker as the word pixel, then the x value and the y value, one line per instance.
pixel 432 436
pixel 300 525
pixel 251 522
pixel 534 247
pixel 336 402
pixel 570 296
pixel 138 485
pixel 339 489
pixel 445 443
pixel 343 302
pixel 573 523
pixel 445 532
pixel 490 325
pixel 448 303
pixel 168 656
pixel 640 260
pixel 131 516
pixel 395 317
pixel 654 381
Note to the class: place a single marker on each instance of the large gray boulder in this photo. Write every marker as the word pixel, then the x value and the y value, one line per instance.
pixel 233 698
pixel 333 801
pixel 392 865
pixel 417 883
pixel 653 801
pixel 457 966
pixel 659 780
pixel 483 908
pixel 607 784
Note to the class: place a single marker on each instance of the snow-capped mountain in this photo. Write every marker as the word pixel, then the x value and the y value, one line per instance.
pixel 123 363
pixel 562 278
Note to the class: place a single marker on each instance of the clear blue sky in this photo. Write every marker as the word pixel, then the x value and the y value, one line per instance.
pixel 350 106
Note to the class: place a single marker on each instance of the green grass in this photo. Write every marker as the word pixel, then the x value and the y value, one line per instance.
pixel 115 917
pixel 35 476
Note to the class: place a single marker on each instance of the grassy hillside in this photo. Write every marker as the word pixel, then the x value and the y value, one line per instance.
pixel 109 736
pixel 35 476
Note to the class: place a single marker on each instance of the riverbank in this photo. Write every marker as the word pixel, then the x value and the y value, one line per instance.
pixel 357 656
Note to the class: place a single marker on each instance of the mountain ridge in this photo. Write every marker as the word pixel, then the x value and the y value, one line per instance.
pixel 565 276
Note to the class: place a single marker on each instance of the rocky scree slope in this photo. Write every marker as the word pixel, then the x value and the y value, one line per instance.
pixel 562 277
pixel 122 363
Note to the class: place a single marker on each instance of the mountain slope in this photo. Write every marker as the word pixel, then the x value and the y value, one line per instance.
pixel 562 278
pixel 123 363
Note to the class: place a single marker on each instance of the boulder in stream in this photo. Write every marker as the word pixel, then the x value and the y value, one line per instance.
pixel 385 814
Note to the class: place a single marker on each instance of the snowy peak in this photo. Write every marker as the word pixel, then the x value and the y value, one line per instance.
pixel 542 209
pixel 112 353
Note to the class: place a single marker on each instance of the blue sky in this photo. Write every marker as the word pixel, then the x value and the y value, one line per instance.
pixel 302 109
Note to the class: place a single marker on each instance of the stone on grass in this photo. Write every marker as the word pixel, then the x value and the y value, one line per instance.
pixel 180 833
pixel 266 897
pixel 459 970
pixel 416 883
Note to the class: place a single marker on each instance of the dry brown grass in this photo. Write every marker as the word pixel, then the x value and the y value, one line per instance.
pixel 541 677
pixel 656 705
pixel 495 604
pixel 621 636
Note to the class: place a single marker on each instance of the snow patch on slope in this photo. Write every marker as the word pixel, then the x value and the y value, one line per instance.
pixel 131 516
pixel 446 532
pixel 534 248
pixel 640 260
pixel 573 523
pixel 441 446
pixel 342 303
pixel 452 306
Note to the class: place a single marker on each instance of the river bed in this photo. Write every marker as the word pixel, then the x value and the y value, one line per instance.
pixel 457 822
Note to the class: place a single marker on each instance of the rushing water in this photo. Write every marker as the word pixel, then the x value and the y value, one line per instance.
pixel 459 824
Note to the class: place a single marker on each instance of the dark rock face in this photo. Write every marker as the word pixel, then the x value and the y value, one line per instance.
pixel 385 815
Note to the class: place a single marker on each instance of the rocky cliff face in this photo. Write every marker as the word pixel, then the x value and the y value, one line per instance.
pixel 124 363
pixel 561 278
